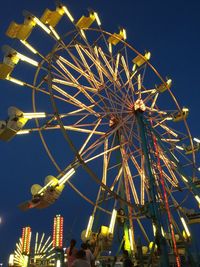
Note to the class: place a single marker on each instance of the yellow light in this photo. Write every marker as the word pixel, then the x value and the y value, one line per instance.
pixel 39 23
pixel 169 118
pixel 185 227
pixel 25 263
pixel 23 132
pixel 11 260
pixel 32 49
pixel 184 179
pixel 124 34
pixel 162 231
pixel 54 32
pixel 11 79
pixel 154 229
pixel 185 109
pixel 147 55
pixel 97 19
pixel 89 226
pixel 68 13
pixel 169 82
pixel 180 147
pixel 34 115
pixel 27 59
pixel 134 67
pixel 196 140
pixel 104 230
pixel 112 221
pixel 66 176
pixel 110 47
pixel 131 238
pixel 198 199
pixel 82 33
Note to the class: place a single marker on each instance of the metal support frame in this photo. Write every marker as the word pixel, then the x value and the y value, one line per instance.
pixel 155 214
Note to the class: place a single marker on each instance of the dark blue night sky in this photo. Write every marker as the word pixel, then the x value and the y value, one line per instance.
pixel 169 29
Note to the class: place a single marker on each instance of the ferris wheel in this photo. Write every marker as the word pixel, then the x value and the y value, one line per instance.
pixel 126 146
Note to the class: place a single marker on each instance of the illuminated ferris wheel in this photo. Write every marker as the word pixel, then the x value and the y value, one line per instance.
pixel 131 156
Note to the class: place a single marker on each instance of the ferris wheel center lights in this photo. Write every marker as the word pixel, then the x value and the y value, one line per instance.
pixel 139 105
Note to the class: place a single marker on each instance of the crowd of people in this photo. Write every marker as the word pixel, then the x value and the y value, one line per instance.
pixel 79 258
pixel 85 258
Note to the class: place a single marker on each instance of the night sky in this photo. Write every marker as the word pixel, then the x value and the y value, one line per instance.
pixel 169 29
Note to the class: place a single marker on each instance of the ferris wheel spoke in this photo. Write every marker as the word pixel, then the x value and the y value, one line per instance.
pixel 116 179
pixel 89 137
pixel 169 179
pixel 74 101
pixel 108 134
pixel 81 88
pixel 142 185
pixel 79 70
pixel 102 153
pixel 78 49
pixel 168 130
pixel 129 175
pixel 116 73
pixel 99 64
pixel 169 168
pixel 154 100
pixel 93 147
pixel 75 82
pixel 105 163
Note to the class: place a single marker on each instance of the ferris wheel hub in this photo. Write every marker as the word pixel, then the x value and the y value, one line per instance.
pixel 139 105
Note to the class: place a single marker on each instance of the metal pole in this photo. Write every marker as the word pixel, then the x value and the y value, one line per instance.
pixel 155 213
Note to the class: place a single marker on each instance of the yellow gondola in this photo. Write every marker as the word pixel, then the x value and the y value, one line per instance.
pixel 117 37
pixel 164 86
pixel 15 122
pixel 183 114
pixel 85 22
pixel 52 17
pixel 20 31
pixel 140 60
pixel 190 150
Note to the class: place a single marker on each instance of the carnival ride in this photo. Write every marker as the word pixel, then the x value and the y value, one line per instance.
pixel 132 157
pixel 42 250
